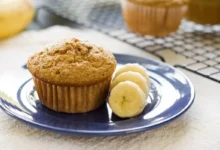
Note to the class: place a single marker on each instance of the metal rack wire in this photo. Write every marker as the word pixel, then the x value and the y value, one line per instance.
pixel 199 44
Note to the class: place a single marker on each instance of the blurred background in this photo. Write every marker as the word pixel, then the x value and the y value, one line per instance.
pixel 106 15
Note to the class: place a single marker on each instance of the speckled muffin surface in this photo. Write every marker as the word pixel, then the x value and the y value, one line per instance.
pixel 72 76
pixel 72 62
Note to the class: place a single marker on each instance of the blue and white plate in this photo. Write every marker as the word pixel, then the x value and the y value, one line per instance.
pixel 171 94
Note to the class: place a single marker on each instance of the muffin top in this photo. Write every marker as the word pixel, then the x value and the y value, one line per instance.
pixel 72 62
pixel 160 3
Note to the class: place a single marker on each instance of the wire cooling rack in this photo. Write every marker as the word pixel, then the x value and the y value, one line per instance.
pixel 200 45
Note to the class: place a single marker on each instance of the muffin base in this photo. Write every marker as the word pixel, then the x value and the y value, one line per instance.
pixel 155 21
pixel 72 99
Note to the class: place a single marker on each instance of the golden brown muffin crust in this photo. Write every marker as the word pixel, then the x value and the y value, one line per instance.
pixel 160 3
pixel 72 62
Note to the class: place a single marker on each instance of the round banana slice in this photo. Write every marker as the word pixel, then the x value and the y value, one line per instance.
pixel 135 68
pixel 133 77
pixel 127 99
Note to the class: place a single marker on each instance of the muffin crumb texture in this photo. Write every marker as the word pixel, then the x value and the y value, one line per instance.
pixel 72 62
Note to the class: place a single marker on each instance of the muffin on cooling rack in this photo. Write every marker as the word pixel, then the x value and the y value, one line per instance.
pixel 72 76
pixel 153 17
pixel 204 11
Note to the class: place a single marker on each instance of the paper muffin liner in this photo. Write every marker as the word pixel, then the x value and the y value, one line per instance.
pixel 156 21
pixel 72 99
pixel 204 13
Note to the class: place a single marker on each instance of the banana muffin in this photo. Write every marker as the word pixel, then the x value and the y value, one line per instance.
pixel 153 17
pixel 72 76
pixel 204 11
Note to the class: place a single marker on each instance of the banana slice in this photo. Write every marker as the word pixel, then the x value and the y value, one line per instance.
pixel 133 77
pixel 127 99
pixel 135 68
